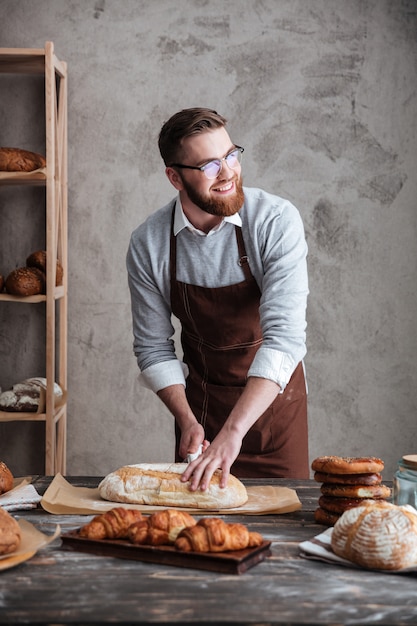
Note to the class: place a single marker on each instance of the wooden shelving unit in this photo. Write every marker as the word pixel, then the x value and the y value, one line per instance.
pixel 54 177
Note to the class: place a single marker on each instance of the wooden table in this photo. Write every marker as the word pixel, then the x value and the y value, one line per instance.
pixel 65 587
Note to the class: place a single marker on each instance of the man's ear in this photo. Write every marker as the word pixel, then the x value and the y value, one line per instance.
pixel 174 178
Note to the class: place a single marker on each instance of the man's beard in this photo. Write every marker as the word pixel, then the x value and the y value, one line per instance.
pixel 219 207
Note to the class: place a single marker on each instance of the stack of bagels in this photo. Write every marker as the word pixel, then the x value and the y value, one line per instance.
pixel 347 482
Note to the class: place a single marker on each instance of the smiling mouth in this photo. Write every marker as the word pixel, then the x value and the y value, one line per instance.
pixel 225 188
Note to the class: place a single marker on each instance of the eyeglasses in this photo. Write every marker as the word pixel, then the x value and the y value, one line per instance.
pixel 213 168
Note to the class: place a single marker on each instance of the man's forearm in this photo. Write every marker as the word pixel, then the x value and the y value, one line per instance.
pixel 192 433
pixel 176 401
pixel 257 396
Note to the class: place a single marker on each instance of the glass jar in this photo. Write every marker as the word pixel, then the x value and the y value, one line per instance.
pixel 405 481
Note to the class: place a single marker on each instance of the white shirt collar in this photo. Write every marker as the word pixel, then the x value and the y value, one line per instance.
pixel 181 221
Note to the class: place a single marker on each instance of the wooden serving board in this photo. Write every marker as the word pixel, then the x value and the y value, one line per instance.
pixel 236 562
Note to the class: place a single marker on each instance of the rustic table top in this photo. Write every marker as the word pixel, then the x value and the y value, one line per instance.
pixel 58 586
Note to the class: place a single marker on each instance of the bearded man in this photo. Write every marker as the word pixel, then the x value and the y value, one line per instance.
pixel 229 262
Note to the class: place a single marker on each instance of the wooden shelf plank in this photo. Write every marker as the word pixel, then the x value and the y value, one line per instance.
pixel 37 177
pixel 22 60
pixel 7 297
pixel 22 416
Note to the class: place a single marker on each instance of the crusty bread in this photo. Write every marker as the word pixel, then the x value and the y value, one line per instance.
pixel 26 281
pixel 346 483
pixel 26 396
pixel 324 517
pixel 335 504
pixel 348 479
pixel 159 484
pixel 355 491
pixel 19 160
pixel 6 478
pixel 377 535
pixel 347 465
pixel 10 535
pixel 38 259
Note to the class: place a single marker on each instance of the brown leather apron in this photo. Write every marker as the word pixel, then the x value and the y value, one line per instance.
pixel 220 335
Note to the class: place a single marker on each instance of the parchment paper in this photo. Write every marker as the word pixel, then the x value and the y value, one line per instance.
pixel 63 498
pixel 38 174
pixel 32 541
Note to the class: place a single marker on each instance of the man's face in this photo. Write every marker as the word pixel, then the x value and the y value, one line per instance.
pixel 220 196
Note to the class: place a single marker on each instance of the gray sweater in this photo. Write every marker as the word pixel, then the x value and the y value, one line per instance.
pixel 275 244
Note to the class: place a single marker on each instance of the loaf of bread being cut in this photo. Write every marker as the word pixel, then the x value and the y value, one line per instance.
pixel 159 484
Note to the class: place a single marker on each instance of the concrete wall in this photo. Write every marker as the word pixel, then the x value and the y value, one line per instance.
pixel 322 94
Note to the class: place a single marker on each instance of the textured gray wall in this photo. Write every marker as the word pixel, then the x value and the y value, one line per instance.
pixel 322 93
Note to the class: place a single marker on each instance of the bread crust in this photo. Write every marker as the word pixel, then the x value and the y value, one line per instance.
pixel 113 524
pixel 10 535
pixel 348 479
pixel 347 465
pixel 25 396
pixel 212 534
pixel 326 518
pixel 6 478
pixel 19 160
pixel 160 528
pixel 356 491
pixel 377 535
pixel 339 505
pixel 26 281
pixel 159 484
pixel 38 259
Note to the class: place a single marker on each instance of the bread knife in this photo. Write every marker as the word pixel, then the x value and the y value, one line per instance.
pixel 195 455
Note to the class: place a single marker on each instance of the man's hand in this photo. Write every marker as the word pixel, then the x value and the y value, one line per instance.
pixel 224 449
pixel 220 454
pixel 192 433
pixel 191 438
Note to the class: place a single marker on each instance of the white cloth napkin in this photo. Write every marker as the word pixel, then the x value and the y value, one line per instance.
pixel 21 497
pixel 319 548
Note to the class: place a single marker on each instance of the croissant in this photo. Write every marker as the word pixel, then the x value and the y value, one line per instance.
pixel 111 525
pixel 160 528
pixel 212 534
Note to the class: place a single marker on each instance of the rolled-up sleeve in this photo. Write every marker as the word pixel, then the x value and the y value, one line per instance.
pixel 161 375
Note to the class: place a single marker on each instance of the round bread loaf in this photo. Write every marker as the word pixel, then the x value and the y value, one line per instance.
pixel 38 259
pixel 10 535
pixel 347 465
pixel 23 400
pixel 19 160
pixel 25 281
pixel 6 478
pixel 25 396
pixel 160 484
pixel 356 491
pixel 348 479
pixel 377 535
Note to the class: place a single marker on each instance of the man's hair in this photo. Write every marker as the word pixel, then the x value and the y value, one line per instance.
pixel 184 124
